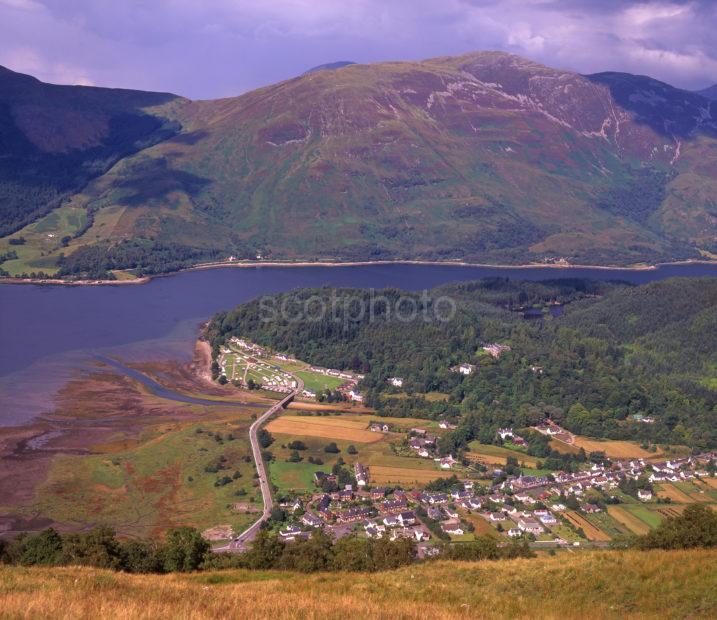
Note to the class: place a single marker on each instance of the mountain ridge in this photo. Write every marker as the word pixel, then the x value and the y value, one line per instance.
pixel 484 157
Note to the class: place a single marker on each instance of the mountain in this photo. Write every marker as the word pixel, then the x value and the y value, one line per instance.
pixel 330 66
pixel 486 157
pixel 710 92
pixel 54 139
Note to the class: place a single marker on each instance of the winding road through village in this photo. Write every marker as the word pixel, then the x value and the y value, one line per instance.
pixel 240 542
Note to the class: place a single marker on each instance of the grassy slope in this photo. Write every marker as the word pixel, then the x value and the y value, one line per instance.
pixel 582 585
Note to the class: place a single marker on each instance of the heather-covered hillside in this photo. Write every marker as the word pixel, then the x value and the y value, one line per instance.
pixel 485 157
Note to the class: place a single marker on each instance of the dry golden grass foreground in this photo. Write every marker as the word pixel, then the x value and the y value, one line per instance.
pixel 595 585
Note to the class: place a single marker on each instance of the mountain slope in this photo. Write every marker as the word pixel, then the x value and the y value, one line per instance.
pixel 710 92
pixel 486 157
pixel 330 66
pixel 54 139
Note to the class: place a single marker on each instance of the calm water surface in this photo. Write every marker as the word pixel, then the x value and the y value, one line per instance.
pixel 49 334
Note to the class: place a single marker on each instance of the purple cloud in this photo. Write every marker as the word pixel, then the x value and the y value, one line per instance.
pixel 203 50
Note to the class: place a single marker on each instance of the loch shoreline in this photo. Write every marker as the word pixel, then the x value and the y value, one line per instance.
pixel 303 264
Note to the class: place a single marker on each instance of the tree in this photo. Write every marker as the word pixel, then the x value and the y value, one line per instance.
pixel 695 527
pixel 43 549
pixel 308 556
pixel 297 445
pixel 352 449
pixel 353 554
pixel 184 550
pixel 98 547
pixel 142 557
pixel 331 448
pixel 265 552
pixel 265 438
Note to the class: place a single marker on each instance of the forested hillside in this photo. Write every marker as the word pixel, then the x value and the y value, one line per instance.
pixel 619 353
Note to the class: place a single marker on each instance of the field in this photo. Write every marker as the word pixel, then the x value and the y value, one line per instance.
pixel 345 430
pixel 317 382
pixel 630 521
pixel 591 532
pixel 405 475
pixel 675 494
pixel 712 482
pixel 645 514
pixel 497 455
pixel 612 448
pixel 597 585
pixel 43 241
pixel 482 527
pixel 329 427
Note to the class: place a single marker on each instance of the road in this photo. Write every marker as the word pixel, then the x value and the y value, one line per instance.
pixel 240 542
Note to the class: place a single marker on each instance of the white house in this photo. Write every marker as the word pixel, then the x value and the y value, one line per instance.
pixel 644 495
pixel 356 396
pixel 531 526
pixel 396 381
pixel 466 369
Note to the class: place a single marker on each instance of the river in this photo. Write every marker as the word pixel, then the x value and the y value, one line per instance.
pixel 49 334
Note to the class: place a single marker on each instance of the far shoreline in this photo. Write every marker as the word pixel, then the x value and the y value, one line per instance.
pixel 368 263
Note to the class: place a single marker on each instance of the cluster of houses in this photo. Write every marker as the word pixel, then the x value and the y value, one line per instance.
pixel 347 388
pixel 507 434
pixel 496 350
pixel 518 506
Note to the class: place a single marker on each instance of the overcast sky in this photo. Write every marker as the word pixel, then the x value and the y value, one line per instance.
pixel 217 48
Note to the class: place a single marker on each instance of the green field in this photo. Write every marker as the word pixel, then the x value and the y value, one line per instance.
pixel 379 454
pixel 644 514
pixel 43 241
pixel 316 382
pixel 298 477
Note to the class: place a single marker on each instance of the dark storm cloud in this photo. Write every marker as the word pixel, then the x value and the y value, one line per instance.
pixel 208 49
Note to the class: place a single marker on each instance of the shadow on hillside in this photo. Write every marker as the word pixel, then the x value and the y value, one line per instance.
pixel 190 138
pixel 667 110
pixel 154 179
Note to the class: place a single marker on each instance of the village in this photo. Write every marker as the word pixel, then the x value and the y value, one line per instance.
pixel 400 484
pixel 579 509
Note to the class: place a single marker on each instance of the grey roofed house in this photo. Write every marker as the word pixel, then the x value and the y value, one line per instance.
pixel 311 520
